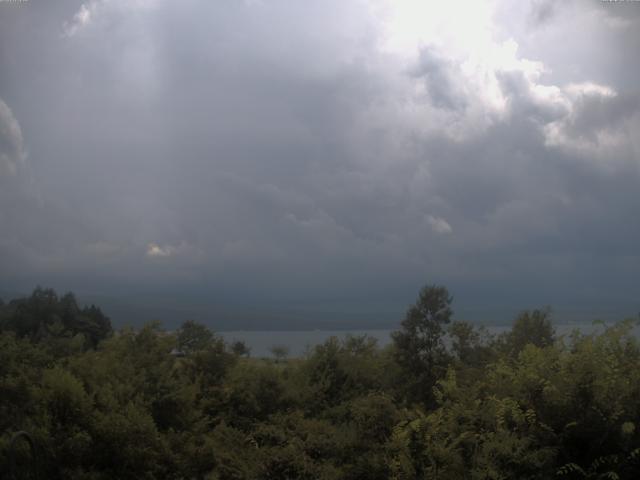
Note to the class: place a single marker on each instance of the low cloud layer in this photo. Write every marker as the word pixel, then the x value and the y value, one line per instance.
pixel 287 152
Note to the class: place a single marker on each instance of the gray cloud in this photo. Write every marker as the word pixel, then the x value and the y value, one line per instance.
pixel 275 151
pixel 542 12
pixel 440 77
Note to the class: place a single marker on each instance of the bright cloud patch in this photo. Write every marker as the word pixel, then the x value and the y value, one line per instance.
pixel 439 225
pixel 12 152
pixel 80 19
pixel 155 250
pixel 91 10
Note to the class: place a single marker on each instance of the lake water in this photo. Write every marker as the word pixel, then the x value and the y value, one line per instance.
pixel 298 342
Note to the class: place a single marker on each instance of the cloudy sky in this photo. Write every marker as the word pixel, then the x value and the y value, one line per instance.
pixel 324 158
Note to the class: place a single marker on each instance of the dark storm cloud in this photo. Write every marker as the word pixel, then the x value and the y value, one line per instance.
pixel 281 150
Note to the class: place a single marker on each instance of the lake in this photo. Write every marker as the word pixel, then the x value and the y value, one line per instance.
pixel 299 341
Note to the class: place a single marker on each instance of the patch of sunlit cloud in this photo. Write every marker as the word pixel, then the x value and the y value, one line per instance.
pixel 155 250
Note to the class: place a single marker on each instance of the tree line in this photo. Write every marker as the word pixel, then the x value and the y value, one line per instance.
pixel 445 400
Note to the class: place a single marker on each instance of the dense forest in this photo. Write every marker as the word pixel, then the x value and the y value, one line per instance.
pixel 445 400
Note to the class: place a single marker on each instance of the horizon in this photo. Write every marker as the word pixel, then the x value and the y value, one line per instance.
pixel 223 318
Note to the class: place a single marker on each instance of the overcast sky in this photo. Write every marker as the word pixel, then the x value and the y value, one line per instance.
pixel 334 154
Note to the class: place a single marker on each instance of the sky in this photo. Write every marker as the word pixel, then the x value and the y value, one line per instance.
pixel 251 162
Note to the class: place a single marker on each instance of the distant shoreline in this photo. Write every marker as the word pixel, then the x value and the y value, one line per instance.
pixel 299 341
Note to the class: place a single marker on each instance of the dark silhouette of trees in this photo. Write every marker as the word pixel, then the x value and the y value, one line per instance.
pixel 194 336
pixel 419 349
pixel 239 348
pixel 530 327
pixel 43 315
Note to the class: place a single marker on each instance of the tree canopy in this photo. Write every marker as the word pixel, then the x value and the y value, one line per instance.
pixel 419 349
pixel 525 405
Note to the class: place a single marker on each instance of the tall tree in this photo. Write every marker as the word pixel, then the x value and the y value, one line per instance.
pixel 419 349
pixel 531 327
pixel 194 336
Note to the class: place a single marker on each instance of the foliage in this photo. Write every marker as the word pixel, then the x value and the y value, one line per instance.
pixel 45 316
pixel 531 327
pixel 419 349
pixel 525 405
pixel 239 348
pixel 193 337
